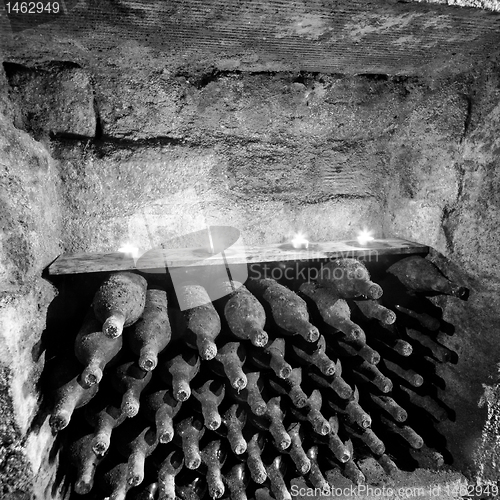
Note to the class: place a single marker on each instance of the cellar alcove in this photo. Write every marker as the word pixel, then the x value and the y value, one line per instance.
pixel 130 122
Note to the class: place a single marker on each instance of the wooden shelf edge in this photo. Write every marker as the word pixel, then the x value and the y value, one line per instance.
pixel 79 263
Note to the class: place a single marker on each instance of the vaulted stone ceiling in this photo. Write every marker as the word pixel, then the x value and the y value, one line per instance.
pixel 344 36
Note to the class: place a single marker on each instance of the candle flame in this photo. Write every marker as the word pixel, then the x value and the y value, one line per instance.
pixel 299 240
pixel 129 249
pixel 364 237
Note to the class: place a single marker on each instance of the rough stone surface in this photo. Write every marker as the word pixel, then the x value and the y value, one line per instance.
pixel 53 99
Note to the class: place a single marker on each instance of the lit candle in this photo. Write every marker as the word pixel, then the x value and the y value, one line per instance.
pixel 300 241
pixel 130 250
pixel 365 237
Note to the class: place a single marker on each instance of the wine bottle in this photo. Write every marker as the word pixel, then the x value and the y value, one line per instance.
pixel 255 465
pixel 210 395
pixel 334 311
pixel 406 432
pixel 237 480
pixel 341 452
pixel 147 492
pixel 316 356
pixel 151 333
pixel 351 470
pixel 319 423
pixel 288 309
pixel 364 372
pixel 372 309
pixel 297 453
pixel 202 320
pixel 245 315
pixel 427 458
pixel 275 472
pixel 369 438
pixel 428 346
pixel 104 421
pixel 425 320
pixel 68 393
pixel 272 356
pixel 388 405
pixel 119 302
pixel 251 394
pixel 349 278
pixel 94 349
pixel 421 275
pixel 85 461
pixel 365 352
pixel 315 475
pixel 290 387
pixel 409 376
pixel 140 448
pixel 161 407
pixel 214 456
pixel 235 419
pixel 352 410
pixel 170 466
pixel 179 371
pixel 191 430
pixel 232 355
pixel 130 380
pixel 386 462
pixel 391 346
pixel 115 482
pixel 432 407
pixel 339 386
pixel 276 417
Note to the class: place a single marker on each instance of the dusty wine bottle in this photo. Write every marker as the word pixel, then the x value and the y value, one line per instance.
pixel 406 432
pixel 369 438
pixel 237 480
pixel 319 423
pixel 169 468
pixel 210 395
pixel 245 315
pixel 179 371
pixel 214 456
pixel 390 468
pixel 119 302
pixel 151 333
pixel 390 406
pixel 140 448
pixel 251 394
pixel 275 472
pixel 366 372
pixel 254 458
pixel 161 407
pixel 316 356
pixel 272 356
pixel 235 419
pixel 352 409
pixel 365 352
pixel 104 421
pixel 409 376
pixel 276 417
pixel 315 475
pixel 202 320
pixel 351 470
pixel 429 346
pixel 191 430
pixel 335 444
pixel 421 275
pixel 349 278
pixel 85 461
pixel 297 453
pixel 232 355
pixel 290 387
pixel 190 485
pixel 341 388
pixel 288 309
pixel 130 380
pixel 68 393
pixel 94 349
pixel 428 404
pixel 372 309
pixel 334 311
pixel 425 320
pixel 427 458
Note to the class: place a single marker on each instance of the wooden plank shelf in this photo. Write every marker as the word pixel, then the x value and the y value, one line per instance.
pixel 160 259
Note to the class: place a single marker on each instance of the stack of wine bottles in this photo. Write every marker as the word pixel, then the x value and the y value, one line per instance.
pixel 238 397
